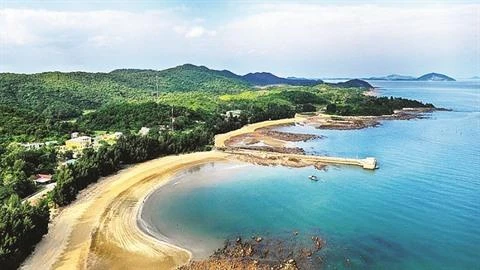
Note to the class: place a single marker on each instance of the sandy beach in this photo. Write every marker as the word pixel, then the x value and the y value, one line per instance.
pixel 221 139
pixel 99 230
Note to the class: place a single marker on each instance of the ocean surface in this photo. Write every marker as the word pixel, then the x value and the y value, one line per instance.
pixel 419 210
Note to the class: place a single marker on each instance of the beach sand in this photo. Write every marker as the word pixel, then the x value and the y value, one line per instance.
pixel 221 139
pixel 99 230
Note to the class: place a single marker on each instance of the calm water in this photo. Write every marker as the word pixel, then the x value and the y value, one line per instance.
pixel 420 210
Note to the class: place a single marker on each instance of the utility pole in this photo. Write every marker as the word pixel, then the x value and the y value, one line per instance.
pixel 173 120
pixel 156 86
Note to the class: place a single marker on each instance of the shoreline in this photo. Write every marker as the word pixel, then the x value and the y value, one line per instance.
pixel 101 229
pixel 146 223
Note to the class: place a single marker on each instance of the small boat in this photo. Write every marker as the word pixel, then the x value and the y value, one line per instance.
pixel 313 178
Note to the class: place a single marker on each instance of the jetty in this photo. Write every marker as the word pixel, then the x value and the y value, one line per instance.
pixel 369 163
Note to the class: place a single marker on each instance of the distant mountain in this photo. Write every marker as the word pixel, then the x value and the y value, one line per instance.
pixel 474 78
pixel 434 77
pixel 426 77
pixel 266 78
pixel 393 77
pixel 353 83
pixel 190 77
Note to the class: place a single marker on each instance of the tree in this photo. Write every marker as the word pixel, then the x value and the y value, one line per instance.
pixel 65 191
pixel 17 180
pixel 21 227
pixel 331 108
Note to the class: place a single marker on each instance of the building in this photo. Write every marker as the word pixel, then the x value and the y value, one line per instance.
pixel 43 179
pixel 37 145
pixel 118 135
pixel 234 113
pixel 107 138
pixel 68 162
pixel 32 146
pixel 144 131
pixel 78 143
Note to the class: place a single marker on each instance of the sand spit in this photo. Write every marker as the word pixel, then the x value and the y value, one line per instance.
pixel 263 136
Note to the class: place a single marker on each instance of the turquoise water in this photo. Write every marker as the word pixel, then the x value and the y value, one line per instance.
pixel 420 210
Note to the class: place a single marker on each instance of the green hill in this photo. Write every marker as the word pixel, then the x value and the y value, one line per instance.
pixel 64 95
pixel 182 78
pixel 50 104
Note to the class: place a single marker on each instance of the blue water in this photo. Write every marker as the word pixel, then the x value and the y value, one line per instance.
pixel 420 210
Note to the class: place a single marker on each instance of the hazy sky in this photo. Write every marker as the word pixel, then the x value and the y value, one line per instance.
pixel 305 39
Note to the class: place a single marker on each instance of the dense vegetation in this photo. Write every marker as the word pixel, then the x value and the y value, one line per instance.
pixel 130 149
pixel 198 101
pixel 21 227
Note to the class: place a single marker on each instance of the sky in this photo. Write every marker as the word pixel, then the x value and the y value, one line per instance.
pixel 314 39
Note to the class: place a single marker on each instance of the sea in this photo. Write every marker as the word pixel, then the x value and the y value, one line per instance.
pixel 419 210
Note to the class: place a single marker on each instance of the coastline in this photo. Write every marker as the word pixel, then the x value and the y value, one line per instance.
pixel 101 229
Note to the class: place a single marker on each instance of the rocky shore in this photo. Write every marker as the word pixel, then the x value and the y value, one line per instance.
pixel 264 253
pixel 267 138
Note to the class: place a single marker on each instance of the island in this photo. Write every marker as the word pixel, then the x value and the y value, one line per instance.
pixel 426 77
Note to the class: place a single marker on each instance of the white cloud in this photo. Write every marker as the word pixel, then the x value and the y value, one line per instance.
pixel 194 32
pixel 291 39
pixel 342 38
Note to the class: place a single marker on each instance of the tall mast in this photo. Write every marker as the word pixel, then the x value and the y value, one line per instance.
pixel 172 119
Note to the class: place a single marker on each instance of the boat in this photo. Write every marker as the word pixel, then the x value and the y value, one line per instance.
pixel 313 178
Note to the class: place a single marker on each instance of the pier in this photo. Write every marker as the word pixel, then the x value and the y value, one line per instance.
pixel 369 163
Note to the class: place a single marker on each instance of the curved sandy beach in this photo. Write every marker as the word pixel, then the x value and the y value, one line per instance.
pixel 99 230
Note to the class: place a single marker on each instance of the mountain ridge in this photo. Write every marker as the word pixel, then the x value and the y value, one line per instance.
pixel 432 76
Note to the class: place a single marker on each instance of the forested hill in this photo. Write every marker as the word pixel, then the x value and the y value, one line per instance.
pixel 61 95
pixel 182 78
pixel 48 104
pixel 265 78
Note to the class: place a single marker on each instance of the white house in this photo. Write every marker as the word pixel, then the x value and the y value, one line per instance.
pixel 234 113
pixel 144 131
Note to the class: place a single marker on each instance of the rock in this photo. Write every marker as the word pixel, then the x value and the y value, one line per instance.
pixel 249 251
pixel 258 239
pixel 239 240
pixel 318 242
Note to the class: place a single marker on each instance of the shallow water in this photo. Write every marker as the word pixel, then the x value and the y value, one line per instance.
pixel 420 210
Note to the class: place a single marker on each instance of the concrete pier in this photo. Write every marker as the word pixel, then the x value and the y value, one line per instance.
pixel 369 163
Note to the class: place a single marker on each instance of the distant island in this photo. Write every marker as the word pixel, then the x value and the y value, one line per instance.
pixel 427 77
pixel 354 83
